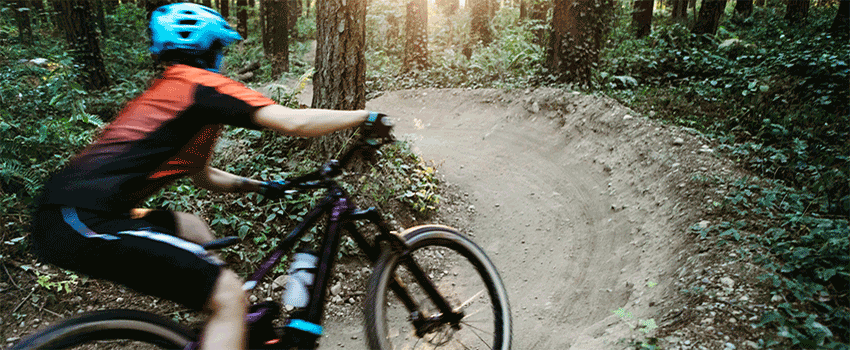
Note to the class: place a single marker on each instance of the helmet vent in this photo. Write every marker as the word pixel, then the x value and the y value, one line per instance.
pixel 187 22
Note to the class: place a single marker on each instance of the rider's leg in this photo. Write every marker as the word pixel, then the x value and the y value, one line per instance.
pixel 227 304
pixel 193 228
pixel 189 226
pixel 142 252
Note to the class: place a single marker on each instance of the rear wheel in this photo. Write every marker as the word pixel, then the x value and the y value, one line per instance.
pixel 477 315
pixel 111 329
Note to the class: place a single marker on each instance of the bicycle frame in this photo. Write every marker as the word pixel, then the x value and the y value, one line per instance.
pixel 304 329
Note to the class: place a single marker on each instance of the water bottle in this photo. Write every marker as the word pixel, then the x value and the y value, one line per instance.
pixel 297 291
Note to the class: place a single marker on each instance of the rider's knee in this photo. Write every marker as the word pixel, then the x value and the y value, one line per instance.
pixel 227 293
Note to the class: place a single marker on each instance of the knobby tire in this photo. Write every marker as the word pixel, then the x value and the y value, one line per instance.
pixel 435 244
pixel 101 327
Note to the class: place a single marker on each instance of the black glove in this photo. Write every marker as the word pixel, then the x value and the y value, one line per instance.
pixel 274 189
pixel 377 129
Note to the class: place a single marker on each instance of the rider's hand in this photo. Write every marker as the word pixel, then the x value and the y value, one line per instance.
pixel 274 189
pixel 378 128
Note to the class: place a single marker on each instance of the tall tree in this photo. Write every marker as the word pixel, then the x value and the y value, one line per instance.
pixel 276 34
pixel 680 10
pixel 76 19
pixel 151 5
pixel 744 7
pixel 340 78
pixel 100 10
pixel 111 5
pixel 224 8
pixel 642 16
pixel 841 23
pixel 709 17
pixel 242 17
pixel 295 8
pixel 448 7
pixel 538 11
pixel 577 30
pixel 416 32
pixel 23 17
pixel 796 11
pixel 481 21
pixel 339 81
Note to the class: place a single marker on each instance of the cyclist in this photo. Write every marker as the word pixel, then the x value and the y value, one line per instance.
pixel 87 219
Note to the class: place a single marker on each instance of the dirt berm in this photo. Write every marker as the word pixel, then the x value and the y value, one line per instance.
pixel 583 204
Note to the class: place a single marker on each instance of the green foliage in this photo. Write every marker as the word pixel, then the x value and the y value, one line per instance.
pixel 47 114
pixel 513 59
pixel 776 97
pixel 406 177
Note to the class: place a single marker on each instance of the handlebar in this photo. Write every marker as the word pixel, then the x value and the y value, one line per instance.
pixel 376 134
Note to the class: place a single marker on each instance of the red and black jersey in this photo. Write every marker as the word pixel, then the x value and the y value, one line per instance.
pixel 166 133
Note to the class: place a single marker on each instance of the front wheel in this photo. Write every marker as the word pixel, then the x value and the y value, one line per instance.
pixel 476 315
pixel 111 329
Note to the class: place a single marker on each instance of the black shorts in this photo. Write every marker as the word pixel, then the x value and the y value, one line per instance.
pixel 141 253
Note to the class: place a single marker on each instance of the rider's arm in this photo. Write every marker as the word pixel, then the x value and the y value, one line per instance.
pixel 221 181
pixel 307 122
pixel 293 122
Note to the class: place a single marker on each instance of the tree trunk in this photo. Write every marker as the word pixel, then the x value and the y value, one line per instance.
pixel 393 30
pixel 294 12
pixel 841 23
pixel 276 34
pixel 416 32
pixel 523 10
pixel 101 18
pixel 224 8
pixel 75 18
pixel 680 10
pixel 448 7
pixel 151 5
pixel 242 18
pixel 642 17
pixel 339 81
pixel 23 17
pixel 796 11
pixel 537 12
pixel 265 19
pixel 744 7
pixel 111 5
pixel 709 17
pixel 481 21
pixel 577 30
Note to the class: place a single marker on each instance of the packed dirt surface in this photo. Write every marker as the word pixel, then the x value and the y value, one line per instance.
pixel 585 207
pixel 578 200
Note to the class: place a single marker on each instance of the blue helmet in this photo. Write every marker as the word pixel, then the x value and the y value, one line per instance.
pixel 191 30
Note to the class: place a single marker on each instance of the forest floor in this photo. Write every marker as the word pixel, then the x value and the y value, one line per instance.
pixel 586 208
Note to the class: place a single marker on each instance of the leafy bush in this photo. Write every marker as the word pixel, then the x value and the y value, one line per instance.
pixel 513 59
pixel 777 97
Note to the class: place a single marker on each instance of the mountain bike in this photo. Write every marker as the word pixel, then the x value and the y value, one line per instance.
pixel 431 287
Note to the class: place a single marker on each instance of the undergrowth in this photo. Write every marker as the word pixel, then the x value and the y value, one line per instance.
pixel 775 98
pixel 47 116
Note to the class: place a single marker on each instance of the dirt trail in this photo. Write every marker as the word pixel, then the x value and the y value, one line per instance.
pixel 574 197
